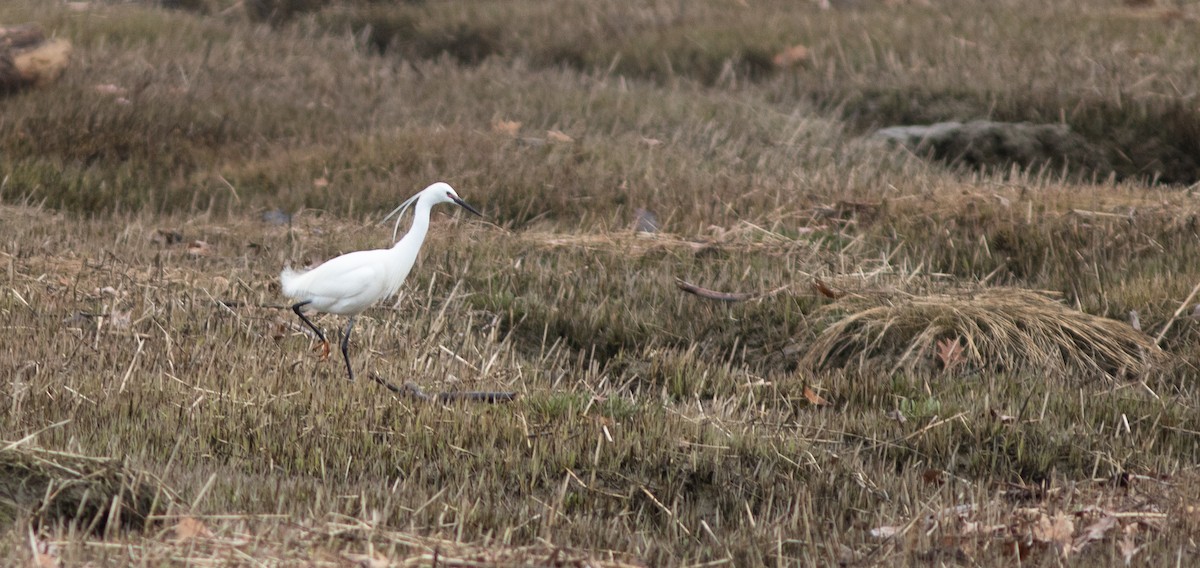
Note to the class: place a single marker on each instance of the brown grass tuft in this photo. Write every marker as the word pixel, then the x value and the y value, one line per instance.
pixel 61 488
pixel 998 329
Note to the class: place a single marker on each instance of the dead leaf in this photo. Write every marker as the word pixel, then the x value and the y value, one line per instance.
pixel 189 527
pixel 814 398
pixel 821 287
pixel 896 415
pixel 791 56
pixel 950 353
pixel 506 127
pixel 1095 531
pixel 199 248
pixel 933 476
pixel 279 330
pixel 558 136
pixel 1055 531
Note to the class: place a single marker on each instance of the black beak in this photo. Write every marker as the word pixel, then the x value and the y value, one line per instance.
pixel 465 206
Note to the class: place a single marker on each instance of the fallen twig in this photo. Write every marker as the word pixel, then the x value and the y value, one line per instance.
pixel 414 391
pixel 1175 316
pixel 724 296
pixel 239 304
pixel 932 424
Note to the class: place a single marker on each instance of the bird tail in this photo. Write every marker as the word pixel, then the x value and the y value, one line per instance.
pixel 288 279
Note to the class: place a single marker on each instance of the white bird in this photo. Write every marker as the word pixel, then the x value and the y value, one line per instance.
pixel 348 284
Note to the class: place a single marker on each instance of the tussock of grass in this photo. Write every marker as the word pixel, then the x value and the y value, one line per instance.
pixel 998 329
pixel 90 494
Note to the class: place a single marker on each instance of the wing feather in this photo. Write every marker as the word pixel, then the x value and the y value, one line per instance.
pixel 347 283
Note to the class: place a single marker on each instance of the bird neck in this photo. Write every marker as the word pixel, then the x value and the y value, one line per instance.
pixel 420 225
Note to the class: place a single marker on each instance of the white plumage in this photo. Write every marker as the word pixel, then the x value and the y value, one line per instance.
pixel 348 284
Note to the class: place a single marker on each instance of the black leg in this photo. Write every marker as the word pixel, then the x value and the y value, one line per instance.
pixel 346 347
pixel 296 308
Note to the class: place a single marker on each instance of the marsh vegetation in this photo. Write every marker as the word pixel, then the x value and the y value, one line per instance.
pixel 932 362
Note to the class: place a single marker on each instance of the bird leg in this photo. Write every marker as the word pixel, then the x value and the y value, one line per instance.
pixel 324 342
pixel 346 347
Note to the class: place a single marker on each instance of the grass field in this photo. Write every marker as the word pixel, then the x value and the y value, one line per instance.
pixel 924 364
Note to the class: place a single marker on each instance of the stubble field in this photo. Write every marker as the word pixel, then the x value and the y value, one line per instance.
pixel 921 363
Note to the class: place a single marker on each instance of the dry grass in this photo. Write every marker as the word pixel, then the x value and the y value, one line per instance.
pixel 57 489
pixel 143 224
pixel 994 329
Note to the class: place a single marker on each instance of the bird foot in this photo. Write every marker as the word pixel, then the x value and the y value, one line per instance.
pixel 323 347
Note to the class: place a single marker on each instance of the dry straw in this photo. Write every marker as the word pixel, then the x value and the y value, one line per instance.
pixel 1001 329
pixel 57 488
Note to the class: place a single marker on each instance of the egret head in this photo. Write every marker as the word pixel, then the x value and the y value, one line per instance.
pixel 439 192
pixel 446 194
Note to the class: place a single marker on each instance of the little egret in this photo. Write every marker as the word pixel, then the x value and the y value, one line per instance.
pixel 348 284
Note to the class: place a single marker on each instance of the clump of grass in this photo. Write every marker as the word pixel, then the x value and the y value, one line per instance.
pixel 59 488
pixel 1109 249
pixel 994 329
